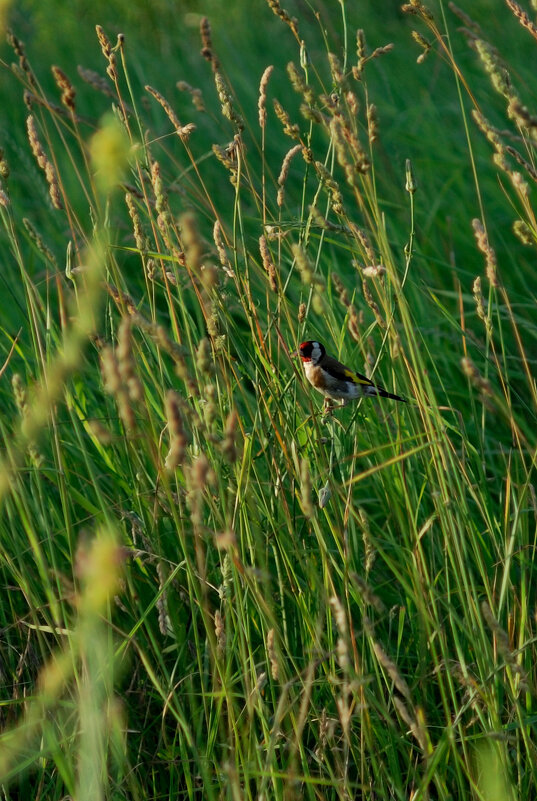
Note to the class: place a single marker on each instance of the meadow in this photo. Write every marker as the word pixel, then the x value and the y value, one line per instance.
pixel 212 588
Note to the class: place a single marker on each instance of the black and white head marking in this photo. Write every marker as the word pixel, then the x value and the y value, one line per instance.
pixel 312 351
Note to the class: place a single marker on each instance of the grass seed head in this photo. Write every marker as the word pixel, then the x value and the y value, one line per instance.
pixel 44 163
pixel 273 655
pixel 268 263
pixel 305 489
pixel 229 448
pixel 176 432
pixel 98 82
pixel 220 634
pixel 262 100
pixel 485 247
pixel 108 53
pixel 206 43
pixel 284 172
pixel 67 89
pixel 195 94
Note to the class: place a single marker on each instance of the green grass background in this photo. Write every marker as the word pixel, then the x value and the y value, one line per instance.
pixel 304 606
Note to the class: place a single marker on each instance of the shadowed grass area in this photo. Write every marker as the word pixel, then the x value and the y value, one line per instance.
pixel 212 589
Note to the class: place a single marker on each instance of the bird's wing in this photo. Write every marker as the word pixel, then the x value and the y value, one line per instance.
pixel 343 373
pixel 358 378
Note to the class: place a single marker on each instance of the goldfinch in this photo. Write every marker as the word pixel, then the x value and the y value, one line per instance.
pixel 333 379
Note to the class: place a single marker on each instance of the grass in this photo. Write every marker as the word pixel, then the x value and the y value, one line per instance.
pixel 211 589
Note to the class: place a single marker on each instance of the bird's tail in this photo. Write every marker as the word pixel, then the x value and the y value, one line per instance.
pixel 382 393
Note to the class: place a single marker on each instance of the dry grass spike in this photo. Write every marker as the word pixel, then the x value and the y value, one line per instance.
pixel 67 89
pixel 262 101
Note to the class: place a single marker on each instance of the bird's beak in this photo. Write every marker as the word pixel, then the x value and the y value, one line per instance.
pixel 293 355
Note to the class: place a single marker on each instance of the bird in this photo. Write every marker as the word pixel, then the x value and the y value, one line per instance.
pixel 335 381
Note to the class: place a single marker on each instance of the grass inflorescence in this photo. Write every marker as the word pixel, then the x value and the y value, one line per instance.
pixel 212 588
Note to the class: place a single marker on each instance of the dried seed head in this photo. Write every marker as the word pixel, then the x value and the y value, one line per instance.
pixel 262 101
pixel 342 293
pixel 110 370
pixel 44 163
pixel 18 48
pixel 339 615
pixel 494 66
pixel 67 88
pixel 4 166
pixel 162 600
pixel 141 239
pixel 484 246
pixel 518 112
pixel 213 328
pixel 335 69
pixel 183 131
pixel 20 394
pixel 108 53
pixel 220 634
pixel 355 322
pixel 225 541
pixel 352 103
pixel 206 43
pixel 325 493
pixel 37 239
pixel 204 360
pixel 289 128
pixel 100 432
pixel 229 449
pixel 313 115
pixel 331 187
pixel 273 655
pixel 305 489
pixel 161 198
pixel 226 99
pixel 192 242
pixel 284 172
pixel 210 410
pixel 195 94
pixel 302 309
pixel 472 373
pixel 411 184
pixel 522 17
pixel 524 233
pixel 517 178
pixel 362 237
pixel 392 670
pixel 299 84
pixel 176 432
pixel 481 304
pixel 303 264
pixel 361 52
pixel 368 297
pixel 268 264
pixel 221 249
pixel 201 473
pixel 424 44
pixel 417 7
pixel 284 16
pixel 373 270
pixel 466 20
pixel 96 81
pixel 114 385
pixel 228 155
pixel 126 363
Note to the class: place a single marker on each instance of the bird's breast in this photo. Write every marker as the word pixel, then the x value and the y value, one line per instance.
pixel 314 375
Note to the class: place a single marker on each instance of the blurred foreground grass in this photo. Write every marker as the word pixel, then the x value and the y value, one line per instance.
pixel 211 590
